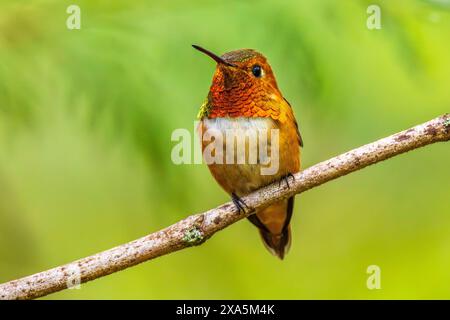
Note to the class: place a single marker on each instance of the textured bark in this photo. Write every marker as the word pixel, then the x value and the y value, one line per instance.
pixel 197 228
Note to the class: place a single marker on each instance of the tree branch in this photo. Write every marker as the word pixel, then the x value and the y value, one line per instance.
pixel 197 228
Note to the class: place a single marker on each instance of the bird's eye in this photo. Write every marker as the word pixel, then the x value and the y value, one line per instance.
pixel 257 71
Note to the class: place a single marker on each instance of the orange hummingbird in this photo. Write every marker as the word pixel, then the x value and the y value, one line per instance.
pixel 244 95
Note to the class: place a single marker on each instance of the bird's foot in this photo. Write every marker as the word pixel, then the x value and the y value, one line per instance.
pixel 239 203
pixel 286 179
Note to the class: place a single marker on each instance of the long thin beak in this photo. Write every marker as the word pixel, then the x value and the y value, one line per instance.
pixel 213 56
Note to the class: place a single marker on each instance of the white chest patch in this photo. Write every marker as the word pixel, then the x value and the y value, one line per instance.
pixel 240 123
pixel 251 143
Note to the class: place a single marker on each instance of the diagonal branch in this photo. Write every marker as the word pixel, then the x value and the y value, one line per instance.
pixel 197 228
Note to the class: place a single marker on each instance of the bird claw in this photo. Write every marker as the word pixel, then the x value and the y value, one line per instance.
pixel 286 179
pixel 239 203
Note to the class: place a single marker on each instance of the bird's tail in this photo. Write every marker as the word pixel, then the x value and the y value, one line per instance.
pixel 274 228
pixel 277 244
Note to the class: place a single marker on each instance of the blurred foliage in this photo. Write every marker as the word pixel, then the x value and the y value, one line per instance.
pixel 86 118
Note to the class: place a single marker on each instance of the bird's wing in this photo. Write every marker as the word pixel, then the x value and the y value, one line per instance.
pixel 299 136
pixel 204 109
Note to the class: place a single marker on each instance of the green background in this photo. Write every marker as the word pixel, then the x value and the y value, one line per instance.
pixel 86 118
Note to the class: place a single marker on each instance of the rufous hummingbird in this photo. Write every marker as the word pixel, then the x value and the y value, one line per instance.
pixel 244 95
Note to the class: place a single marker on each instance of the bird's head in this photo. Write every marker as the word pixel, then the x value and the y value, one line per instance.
pixel 243 78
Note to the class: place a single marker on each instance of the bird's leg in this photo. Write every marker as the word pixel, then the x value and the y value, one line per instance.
pixel 239 203
pixel 286 179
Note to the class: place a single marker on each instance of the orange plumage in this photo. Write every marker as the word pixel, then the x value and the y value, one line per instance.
pixel 244 95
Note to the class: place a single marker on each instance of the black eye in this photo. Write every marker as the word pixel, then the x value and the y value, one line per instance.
pixel 257 71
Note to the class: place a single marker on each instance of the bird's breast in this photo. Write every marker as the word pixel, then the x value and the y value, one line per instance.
pixel 240 172
pixel 252 133
pixel 238 124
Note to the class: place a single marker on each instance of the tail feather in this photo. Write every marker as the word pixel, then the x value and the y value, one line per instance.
pixel 274 228
pixel 277 244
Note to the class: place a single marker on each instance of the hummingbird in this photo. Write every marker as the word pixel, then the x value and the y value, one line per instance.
pixel 244 95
